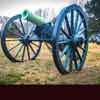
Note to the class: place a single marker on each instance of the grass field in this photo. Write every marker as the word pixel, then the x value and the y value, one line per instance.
pixel 43 70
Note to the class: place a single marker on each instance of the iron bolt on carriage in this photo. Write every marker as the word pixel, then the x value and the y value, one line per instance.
pixel 67 36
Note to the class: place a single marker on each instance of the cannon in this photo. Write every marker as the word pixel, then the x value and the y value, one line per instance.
pixel 23 35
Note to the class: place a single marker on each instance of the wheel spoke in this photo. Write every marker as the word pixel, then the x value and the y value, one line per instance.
pixel 18 51
pixel 70 64
pixel 49 47
pixel 78 54
pixel 30 33
pixel 75 60
pixel 63 42
pixel 27 26
pixel 84 49
pixel 65 62
pixel 76 22
pixel 81 31
pixel 65 50
pixel 11 40
pixel 14 47
pixel 28 52
pixel 79 26
pixel 23 53
pixel 65 33
pixel 16 27
pixel 66 58
pixel 67 24
pixel 32 49
pixel 15 34
pixel 22 26
pixel 35 44
pixel 72 21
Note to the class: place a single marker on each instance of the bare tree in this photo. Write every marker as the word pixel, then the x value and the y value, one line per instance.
pixel 80 2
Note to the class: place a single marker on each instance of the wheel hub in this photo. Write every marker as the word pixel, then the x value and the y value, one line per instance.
pixel 25 40
pixel 76 41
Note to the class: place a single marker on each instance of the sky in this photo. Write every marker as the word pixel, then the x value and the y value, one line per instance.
pixel 12 7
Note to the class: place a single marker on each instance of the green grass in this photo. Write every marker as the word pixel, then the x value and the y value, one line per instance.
pixel 43 71
pixel 10 78
pixel 98 80
pixel 97 54
pixel 51 78
pixel 49 64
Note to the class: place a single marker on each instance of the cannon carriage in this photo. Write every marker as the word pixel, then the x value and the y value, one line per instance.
pixel 67 36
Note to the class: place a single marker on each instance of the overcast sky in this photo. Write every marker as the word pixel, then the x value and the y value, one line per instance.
pixel 11 7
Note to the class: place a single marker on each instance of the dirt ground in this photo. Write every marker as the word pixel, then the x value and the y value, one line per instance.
pixel 43 70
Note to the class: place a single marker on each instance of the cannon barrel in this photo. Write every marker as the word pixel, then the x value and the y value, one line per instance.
pixel 32 18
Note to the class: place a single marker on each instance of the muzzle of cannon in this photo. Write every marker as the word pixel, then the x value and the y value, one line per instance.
pixel 32 18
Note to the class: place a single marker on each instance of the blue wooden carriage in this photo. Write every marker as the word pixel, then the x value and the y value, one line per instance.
pixel 24 34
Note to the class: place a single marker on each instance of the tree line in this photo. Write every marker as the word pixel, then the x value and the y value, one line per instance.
pixel 93 11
